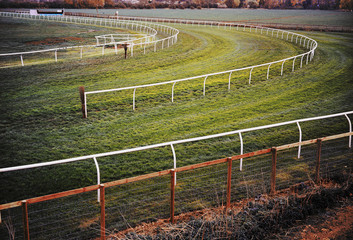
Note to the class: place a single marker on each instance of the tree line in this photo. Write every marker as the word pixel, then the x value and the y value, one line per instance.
pixel 182 4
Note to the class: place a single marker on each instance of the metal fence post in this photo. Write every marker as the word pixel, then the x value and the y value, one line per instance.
pixel 173 91
pixel 102 218
pixel 250 75
pixel 300 140
pixel 25 219
pixel 83 101
pixel 268 70
pixel 172 194
pixel 133 99
pixel 318 159
pixel 229 182
pixel 22 61
pixel 273 172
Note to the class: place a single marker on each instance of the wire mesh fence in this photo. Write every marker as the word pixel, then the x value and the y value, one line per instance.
pixel 73 217
pixel 126 203
pixel 292 170
pixel 130 204
pixel 201 188
pixel 336 158
pixel 253 179
pixel 11 226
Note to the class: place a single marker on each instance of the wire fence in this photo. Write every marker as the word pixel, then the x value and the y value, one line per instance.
pixel 126 203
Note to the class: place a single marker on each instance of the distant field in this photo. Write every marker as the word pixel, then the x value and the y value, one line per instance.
pixel 41 119
pixel 27 35
pixel 307 17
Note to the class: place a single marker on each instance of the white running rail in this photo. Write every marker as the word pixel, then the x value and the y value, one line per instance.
pixel 173 143
pixel 303 41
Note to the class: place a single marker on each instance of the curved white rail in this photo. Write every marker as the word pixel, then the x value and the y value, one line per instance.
pixel 173 143
pixel 300 39
pixel 150 31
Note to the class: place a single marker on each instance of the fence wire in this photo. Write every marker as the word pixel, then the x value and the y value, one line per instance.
pixel 133 203
pixel 336 159
pixel 201 188
pixel 291 170
pixel 253 179
pixel 11 226
pixel 128 205
pixel 73 217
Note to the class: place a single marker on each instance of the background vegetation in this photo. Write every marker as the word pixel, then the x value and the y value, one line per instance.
pixel 192 4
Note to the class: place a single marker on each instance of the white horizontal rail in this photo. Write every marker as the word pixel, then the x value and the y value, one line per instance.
pixel 9 169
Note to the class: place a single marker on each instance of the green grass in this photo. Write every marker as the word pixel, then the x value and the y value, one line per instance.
pixel 41 119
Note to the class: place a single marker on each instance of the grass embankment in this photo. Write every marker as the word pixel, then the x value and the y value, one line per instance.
pixel 41 119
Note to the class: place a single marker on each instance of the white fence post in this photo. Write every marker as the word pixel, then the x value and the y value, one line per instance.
pixel 174 161
pixel 282 68
pixel 241 151
pixel 173 91
pixel 133 99
pixel 98 177
pixel 300 139
pixel 250 75
pixel 350 130
pixel 268 70
pixel 230 75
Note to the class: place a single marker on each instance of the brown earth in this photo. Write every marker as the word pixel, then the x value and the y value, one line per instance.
pixel 332 224
pixel 336 223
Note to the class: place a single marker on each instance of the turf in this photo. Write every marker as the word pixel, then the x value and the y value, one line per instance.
pixel 41 119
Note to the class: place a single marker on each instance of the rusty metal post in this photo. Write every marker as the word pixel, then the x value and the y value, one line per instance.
pixel 125 49
pixel 229 182
pixel 318 159
pixel 172 195
pixel 102 218
pixel 25 219
pixel 273 173
pixel 83 100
